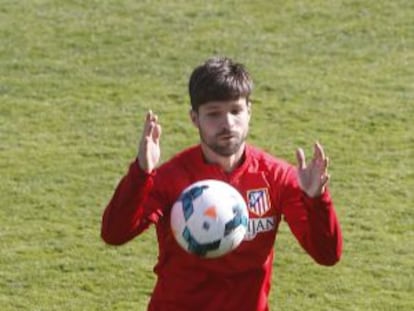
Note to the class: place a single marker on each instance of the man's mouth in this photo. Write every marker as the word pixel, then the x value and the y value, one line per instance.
pixel 227 135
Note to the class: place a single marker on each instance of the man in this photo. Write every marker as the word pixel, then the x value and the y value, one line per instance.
pixel 221 110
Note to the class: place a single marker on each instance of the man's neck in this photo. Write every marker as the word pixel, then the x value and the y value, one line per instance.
pixel 227 163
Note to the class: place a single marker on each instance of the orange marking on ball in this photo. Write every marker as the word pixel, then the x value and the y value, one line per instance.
pixel 211 212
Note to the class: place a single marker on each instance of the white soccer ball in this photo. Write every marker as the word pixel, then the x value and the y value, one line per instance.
pixel 209 219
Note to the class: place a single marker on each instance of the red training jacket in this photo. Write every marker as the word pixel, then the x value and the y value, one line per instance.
pixel 239 280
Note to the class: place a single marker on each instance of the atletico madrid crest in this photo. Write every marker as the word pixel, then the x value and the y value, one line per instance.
pixel 258 201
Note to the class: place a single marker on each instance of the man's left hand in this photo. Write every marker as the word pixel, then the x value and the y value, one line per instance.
pixel 313 176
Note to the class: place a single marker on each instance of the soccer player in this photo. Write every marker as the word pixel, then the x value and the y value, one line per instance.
pixel 274 190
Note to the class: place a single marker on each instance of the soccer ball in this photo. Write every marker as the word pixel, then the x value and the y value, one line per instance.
pixel 209 219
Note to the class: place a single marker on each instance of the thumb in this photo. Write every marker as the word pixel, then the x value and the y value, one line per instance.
pixel 146 132
pixel 300 157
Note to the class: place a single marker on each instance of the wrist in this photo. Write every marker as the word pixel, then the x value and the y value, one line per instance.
pixel 142 169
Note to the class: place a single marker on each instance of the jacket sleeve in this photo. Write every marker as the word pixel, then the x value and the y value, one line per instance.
pixel 126 215
pixel 313 222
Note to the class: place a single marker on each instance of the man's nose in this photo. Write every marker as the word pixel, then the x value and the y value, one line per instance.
pixel 228 120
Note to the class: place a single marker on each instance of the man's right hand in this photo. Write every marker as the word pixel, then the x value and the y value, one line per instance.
pixel 149 147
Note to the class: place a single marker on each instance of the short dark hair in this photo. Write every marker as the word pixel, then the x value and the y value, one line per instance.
pixel 219 78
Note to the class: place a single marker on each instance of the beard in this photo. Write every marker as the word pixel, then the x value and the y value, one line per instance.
pixel 226 143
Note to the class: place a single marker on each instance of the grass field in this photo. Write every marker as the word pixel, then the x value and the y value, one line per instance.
pixel 76 78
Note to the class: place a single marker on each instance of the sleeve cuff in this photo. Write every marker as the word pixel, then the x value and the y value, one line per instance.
pixel 139 172
pixel 322 202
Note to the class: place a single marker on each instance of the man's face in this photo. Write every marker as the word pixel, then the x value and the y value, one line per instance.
pixel 223 125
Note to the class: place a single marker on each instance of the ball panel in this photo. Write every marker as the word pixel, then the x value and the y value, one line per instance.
pixel 200 249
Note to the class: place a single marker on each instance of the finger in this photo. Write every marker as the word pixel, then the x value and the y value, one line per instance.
pixel 149 114
pixel 153 117
pixel 146 123
pixel 300 156
pixel 150 123
pixel 156 132
pixel 324 179
pixel 318 152
pixel 151 128
pixel 156 128
pixel 326 162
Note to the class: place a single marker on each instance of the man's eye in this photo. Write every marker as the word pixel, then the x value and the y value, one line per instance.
pixel 213 114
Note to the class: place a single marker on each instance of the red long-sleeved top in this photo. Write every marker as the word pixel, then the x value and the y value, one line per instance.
pixel 239 280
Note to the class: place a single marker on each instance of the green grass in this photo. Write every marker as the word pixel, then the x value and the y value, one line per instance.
pixel 77 77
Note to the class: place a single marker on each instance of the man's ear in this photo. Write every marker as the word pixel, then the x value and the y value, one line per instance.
pixel 194 117
pixel 249 108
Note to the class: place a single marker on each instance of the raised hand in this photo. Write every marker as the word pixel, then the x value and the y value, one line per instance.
pixel 149 147
pixel 313 176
